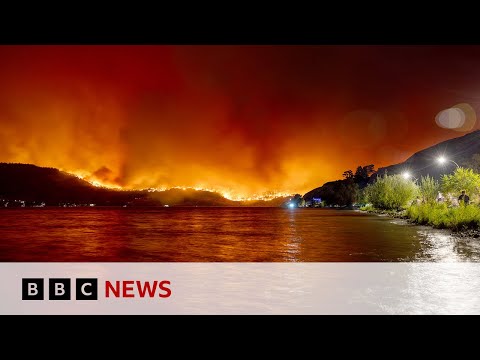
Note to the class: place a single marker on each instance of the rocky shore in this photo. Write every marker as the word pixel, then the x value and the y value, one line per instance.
pixel 460 233
pixel 467 233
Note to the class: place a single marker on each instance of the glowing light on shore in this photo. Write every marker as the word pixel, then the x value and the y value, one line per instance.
pixel 442 160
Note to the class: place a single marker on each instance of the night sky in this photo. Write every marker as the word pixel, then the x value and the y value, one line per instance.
pixel 247 119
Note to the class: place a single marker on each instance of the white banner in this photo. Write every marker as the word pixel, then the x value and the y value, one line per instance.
pixel 240 288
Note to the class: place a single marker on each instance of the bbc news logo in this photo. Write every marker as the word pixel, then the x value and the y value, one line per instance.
pixel 87 289
pixel 59 289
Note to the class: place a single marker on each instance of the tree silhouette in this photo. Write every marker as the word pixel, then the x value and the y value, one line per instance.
pixel 363 173
pixel 348 174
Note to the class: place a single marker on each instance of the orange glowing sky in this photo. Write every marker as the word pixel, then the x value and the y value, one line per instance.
pixel 244 119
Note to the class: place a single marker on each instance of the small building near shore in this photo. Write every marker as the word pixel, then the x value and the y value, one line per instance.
pixel 316 202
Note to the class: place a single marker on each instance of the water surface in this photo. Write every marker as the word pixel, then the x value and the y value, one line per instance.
pixel 221 235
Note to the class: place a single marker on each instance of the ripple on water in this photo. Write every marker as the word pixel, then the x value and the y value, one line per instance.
pixel 222 235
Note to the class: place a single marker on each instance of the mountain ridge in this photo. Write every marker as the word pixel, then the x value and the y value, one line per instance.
pixel 424 162
pixel 34 185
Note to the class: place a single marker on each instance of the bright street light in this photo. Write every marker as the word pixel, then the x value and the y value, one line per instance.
pixel 442 160
pixel 406 175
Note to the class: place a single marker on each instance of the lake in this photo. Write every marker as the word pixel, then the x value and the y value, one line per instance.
pixel 221 235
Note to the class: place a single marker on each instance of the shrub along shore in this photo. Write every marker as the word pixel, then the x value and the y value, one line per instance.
pixel 463 220
pixel 424 204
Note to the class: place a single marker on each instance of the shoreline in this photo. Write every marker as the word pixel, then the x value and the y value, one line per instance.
pixel 458 233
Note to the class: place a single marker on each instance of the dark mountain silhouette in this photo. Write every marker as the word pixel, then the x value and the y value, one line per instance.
pixel 31 183
pixel 339 192
pixel 461 150
pixel 35 185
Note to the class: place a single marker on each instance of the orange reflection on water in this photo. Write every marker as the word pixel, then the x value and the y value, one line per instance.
pixel 219 235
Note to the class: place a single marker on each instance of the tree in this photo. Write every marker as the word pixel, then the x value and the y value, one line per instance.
pixel 360 174
pixel 362 196
pixel 346 193
pixel 296 201
pixel 391 192
pixel 461 179
pixel 348 174
pixel 363 173
pixel 429 188
pixel 369 170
